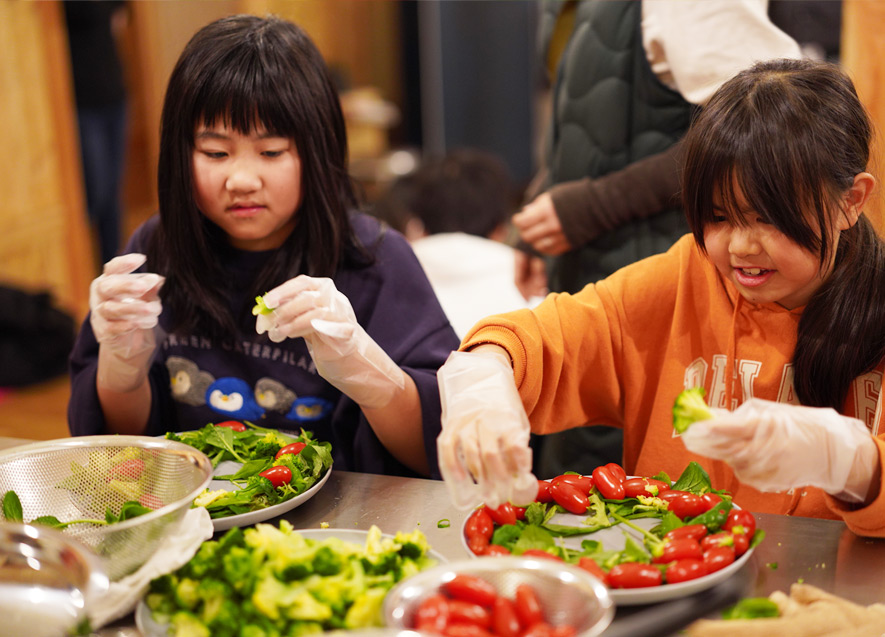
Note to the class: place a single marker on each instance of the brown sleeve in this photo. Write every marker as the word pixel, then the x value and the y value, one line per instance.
pixel 590 207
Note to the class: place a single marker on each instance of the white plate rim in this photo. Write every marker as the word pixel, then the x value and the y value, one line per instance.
pixel 651 594
pixel 145 622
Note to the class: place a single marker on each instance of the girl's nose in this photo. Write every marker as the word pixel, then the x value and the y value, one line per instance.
pixel 743 240
pixel 243 179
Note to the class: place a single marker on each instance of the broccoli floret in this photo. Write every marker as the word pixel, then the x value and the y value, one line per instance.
pixel 186 593
pixel 238 568
pixel 186 624
pixel 327 562
pixel 260 307
pixel 265 449
pixel 366 609
pixel 689 408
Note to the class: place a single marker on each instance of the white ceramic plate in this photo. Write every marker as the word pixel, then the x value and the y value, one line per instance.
pixel 151 628
pixel 229 467
pixel 614 538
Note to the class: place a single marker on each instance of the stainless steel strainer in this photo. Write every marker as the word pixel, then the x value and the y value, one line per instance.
pixel 567 594
pixel 82 478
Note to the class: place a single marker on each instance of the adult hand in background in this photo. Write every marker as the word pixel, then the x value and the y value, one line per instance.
pixel 539 226
pixel 530 275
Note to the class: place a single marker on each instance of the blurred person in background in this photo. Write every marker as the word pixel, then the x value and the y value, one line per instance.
pixel 454 210
pixel 626 79
pixel 100 94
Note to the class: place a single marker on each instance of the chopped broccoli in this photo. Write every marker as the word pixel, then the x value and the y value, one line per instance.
pixel 689 408
pixel 260 307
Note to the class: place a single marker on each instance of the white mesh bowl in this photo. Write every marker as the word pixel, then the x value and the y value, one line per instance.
pixel 81 478
pixel 568 595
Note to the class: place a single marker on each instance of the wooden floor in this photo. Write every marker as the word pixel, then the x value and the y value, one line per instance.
pixel 38 412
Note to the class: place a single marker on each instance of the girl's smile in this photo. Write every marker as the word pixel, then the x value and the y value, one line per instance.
pixel 247 184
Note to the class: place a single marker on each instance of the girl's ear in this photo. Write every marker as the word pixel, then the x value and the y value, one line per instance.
pixel 858 195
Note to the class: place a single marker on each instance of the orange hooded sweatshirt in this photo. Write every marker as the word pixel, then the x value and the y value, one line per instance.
pixel 620 351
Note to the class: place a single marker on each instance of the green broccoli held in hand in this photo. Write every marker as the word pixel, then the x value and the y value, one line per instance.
pixel 260 307
pixel 689 408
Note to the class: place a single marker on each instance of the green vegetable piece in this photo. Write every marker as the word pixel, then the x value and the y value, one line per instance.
pixel 690 408
pixel 752 608
pixel 444 523
pixel 12 507
pixel 260 307
pixel 772 565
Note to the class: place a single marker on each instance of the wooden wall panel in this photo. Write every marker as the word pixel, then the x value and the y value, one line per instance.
pixel 45 242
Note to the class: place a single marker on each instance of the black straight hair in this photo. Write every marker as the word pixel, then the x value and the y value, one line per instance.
pixel 792 135
pixel 248 72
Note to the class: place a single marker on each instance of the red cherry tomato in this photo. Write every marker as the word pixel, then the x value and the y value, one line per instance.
pixel 503 514
pixel 740 518
pixel 464 612
pixel 617 471
pixel 541 629
pixel 607 484
pixel 478 545
pixel 718 558
pixel 293 448
pixel 584 483
pixel 520 512
pixel 470 588
pixel 564 630
pixel 694 531
pixel 569 497
pixel 680 549
pixel 232 424
pixel 634 575
pixel 479 524
pixel 466 630
pixel 541 554
pixel 590 565
pixel 671 494
pixel 741 543
pixel 495 549
pixel 278 476
pixel 505 622
pixel 543 492
pixel 634 487
pixel 687 506
pixel 712 499
pixel 715 540
pixel 685 570
pixel 528 606
pixel 432 614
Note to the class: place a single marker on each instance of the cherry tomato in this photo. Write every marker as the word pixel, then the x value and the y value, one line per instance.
pixel 718 557
pixel 503 514
pixel 569 497
pixel 432 614
pixel 741 543
pixel 479 524
pixel 505 622
pixel 466 630
pixel 293 448
pixel 520 512
pixel 564 630
pixel 607 484
pixel 541 629
pixel 495 549
pixel 470 588
pixel 278 476
pixel 671 494
pixel 644 486
pixel 528 606
pixel 681 549
pixel 694 531
pixel 687 506
pixel 150 501
pixel 740 518
pixel 617 471
pixel 541 554
pixel 478 545
pixel 464 612
pixel 712 499
pixel 584 483
pixel 232 424
pixel 590 565
pixel 685 570
pixel 543 492
pixel 634 575
pixel 715 540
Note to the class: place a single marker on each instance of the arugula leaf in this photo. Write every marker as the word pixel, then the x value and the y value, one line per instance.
pixel 695 479
pixel 752 608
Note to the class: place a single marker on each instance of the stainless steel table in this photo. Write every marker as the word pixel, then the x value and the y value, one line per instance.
pixel 819 552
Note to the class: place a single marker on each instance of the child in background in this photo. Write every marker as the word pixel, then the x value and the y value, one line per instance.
pixel 776 299
pixel 454 210
pixel 255 198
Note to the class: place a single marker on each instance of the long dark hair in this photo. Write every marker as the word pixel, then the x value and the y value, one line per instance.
pixel 792 135
pixel 247 71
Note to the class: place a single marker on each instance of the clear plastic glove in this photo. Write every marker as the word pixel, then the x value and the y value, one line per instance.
pixel 125 308
pixel 344 354
pixel 775 447
pixel 484 453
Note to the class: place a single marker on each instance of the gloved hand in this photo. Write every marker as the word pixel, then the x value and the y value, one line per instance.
pixel 344 354
pixel 775 446
pixel 125 308
pixel 484 453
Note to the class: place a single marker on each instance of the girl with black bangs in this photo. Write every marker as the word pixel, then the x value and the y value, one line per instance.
pixel 775 305
pixel 255 201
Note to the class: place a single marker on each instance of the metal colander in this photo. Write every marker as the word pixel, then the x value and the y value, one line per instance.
pixel 568 595
pixel 82 478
